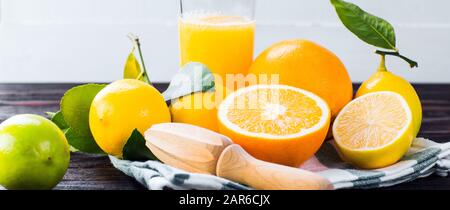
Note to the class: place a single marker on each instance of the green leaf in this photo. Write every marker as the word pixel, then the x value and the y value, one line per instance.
pixel 82 141
pixel 75 106
pixel 369 28
pixel 58 119
pixel 192 77
pixel 135 148
pixel 133 69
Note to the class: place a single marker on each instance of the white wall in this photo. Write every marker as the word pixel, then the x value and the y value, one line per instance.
pixel 85 40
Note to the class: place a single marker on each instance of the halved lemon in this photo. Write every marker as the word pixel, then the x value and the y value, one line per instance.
pixel 374 130
pixel 275 123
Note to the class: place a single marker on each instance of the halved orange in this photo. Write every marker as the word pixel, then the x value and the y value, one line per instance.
pixel 374 130
pixel 275 123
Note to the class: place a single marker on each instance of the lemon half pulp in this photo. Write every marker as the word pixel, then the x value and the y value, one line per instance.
pixel 374 130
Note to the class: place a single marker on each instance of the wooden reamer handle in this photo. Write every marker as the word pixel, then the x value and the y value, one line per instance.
pixel 237 165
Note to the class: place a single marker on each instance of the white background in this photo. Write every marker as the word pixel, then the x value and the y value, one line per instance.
pixel 85 40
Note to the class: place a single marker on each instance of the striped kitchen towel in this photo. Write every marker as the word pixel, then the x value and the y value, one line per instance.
pixel 424 158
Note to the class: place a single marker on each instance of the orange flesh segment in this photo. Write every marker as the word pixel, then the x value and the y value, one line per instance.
pixel 274 111
pixel 371 122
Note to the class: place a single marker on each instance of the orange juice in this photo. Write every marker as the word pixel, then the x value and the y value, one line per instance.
pixel 223 43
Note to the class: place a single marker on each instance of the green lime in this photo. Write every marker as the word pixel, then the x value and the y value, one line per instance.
pixel 34 153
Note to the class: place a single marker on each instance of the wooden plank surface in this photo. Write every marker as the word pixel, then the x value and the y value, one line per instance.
pixel 96 172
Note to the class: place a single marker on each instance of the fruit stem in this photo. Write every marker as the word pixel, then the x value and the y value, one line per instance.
pixel 137 43
pixel 411 63
pixel 382 63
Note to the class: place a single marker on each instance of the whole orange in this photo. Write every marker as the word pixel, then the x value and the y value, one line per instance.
pixel 199 108
pixel 307 65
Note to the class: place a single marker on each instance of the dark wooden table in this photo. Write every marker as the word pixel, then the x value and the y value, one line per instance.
pixel 96 172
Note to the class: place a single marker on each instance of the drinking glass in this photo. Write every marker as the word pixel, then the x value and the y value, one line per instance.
pixel 217 33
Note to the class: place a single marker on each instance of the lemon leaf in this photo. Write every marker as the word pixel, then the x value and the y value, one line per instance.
pixel 135 148
pixel 75 106
pixel 82 142
pixel 58 119
pixel 369 28
pixel 133 69
pixel 192 77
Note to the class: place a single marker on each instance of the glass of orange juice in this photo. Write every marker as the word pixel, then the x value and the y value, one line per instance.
pixel 218 33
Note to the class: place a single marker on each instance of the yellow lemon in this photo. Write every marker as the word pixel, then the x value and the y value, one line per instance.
pixel 374 130
pixel 275 123
pixel 383 80
pixel 121 107
pixel 199 108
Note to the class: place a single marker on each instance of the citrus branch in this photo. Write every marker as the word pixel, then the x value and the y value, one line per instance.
pixel 411 63
pixel 137 43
